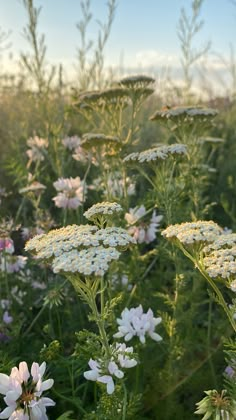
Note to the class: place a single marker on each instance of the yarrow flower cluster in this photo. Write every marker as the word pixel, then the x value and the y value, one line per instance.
pixel 184 114
pixel 72 192
pixel 220 258
pixel 105 209
pixel 142 232
pixel 189 233
pixel 23 392
pixel 159 152
pixel 134 322
pixel 37 148
pixel 84 249
pixel 104 371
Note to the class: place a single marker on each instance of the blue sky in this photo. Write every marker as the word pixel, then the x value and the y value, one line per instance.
pixel 143 32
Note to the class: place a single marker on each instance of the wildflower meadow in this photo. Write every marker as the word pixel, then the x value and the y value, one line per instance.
pixel 117 238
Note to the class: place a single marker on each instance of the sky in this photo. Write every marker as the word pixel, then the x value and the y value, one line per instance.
pixel 143 33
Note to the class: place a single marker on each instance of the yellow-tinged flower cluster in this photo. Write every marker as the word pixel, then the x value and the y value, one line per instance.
pixel 160 152
pixel 220 257
pixel 105 208
pixel 185 113
pixel 193 232
pixel 84 249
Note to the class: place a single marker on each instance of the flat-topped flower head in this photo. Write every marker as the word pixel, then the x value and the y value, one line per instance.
pixel 184 114
pixel 58 241
pixel 23 392
pixel 220 258
pixel 101 212
pixel 91 140
pixel 91 261
pixel 135 322
pixel 160 153
pixel 136 81
pixel 197 233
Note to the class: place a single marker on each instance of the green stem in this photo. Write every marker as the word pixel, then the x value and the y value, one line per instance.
pixel 218 293
pixel 34 320
pixel 124 401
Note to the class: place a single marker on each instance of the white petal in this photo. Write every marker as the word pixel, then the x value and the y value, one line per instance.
pixel 4 383
pixel 105 379
pixel 24 372
pixel 42 369
pixel 35 371
pixel 11 397
pixel 91 375
pixel 5 414
pixel 47 384
pixel 155 336
pixel 47 402
pixel 110 387
pixel 119 374
pixel 128 336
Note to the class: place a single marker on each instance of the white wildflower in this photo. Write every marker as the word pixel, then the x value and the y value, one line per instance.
pixel 193 232
pixel 71 143
pixel 23 392
pixel 105 371
pixel 104 208
pixel 72 192
pixel 134 322
pixel 160 152
pixel 37 148
pixel 89 261
pixel 143 232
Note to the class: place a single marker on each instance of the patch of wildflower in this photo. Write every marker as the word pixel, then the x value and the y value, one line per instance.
pixel 217 405
pixel 143 232
pixel 134 322
pixel 23 392
pixel 105 371
pixel 72 192
pixel 160 152
pixel 37 148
